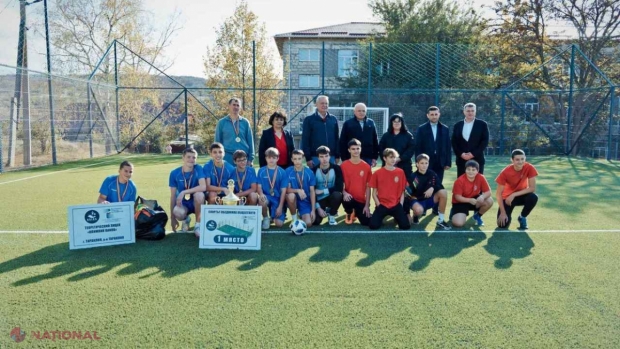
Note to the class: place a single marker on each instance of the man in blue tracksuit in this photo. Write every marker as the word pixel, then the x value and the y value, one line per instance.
pixel 320 128
pixel 363 129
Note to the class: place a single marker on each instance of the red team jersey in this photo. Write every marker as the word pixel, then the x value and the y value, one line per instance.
pixel 462 186
pixel 514 180
pixel 392 185
pixel 356 179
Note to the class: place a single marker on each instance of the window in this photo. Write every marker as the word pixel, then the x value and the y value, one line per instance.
pixel 308 55
pixel 308 81
pixel 347 63
pixel 383 68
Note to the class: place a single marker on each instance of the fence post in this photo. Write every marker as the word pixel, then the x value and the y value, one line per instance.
pixel 437 65
pixel 12 133
pixel 569 113
pixel 49 84
pixel 612 110
pixel 118 119
pixel 501 127
pixel 368 92
pixel 186 120
pixel 254 93
pixel 1 150
pixel 323 69
pixel 90 120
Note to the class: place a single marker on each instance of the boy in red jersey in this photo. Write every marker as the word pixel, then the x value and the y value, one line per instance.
pixel 356 193
pixel 516 185
pixel 470 192
pixel 389 184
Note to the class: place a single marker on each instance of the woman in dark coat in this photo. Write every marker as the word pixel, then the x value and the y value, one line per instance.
pixel 276 136
pixel 398 137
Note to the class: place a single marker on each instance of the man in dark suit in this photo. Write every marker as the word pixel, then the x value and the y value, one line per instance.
pixel 470 139
pixel 433 139
pixel 363 129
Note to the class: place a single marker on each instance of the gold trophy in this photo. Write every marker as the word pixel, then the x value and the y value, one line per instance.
pixel 231 199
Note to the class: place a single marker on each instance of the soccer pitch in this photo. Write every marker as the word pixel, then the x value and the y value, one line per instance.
pixel 555 285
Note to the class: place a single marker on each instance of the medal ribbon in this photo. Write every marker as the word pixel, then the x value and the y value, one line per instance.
pixel 190 179
pixel 272 183
pixel 241 180
pixel 300 180
pixel 118 190
pixel 236 128
pixel 219 182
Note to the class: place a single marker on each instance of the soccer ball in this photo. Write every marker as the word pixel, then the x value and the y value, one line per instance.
pixel 298 227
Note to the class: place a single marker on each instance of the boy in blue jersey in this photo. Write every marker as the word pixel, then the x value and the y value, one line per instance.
pixel 217 172
pixel 245 178
pixel 187 186
pixel 272 184
pixel 118 188
pixel 300 193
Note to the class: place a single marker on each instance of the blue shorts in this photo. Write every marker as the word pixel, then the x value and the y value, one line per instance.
pixel 189 204
pixel 273 203
pixel 426 204
pixel 304 206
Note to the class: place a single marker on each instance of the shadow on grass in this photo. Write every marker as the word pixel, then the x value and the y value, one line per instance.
pixel 442 245
pixel 508 246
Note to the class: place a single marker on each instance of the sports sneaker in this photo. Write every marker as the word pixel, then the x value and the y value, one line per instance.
pixel 266 223
pixel 332 220
pixel 443 225
pixel 478 219
pixel 197 229
pixel 350 218
pixel 185 225
pixel 416 220
pixel 522 223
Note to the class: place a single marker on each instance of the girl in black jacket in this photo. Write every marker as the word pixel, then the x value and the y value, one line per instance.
pixel 398 137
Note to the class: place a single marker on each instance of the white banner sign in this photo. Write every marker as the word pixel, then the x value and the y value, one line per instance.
pixel 101 225
pixel 230 227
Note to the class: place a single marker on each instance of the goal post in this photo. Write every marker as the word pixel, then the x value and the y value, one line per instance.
pixel 379 115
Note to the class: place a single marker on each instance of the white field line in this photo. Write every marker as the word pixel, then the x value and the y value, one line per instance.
pixel 55 172
pixel 370 231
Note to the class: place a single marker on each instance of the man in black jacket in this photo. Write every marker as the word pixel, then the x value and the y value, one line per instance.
pixel 363 129
pixel 470 138
pixel 320 128
pixel 433 139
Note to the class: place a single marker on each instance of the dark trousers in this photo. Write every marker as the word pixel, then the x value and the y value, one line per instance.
pixel 460 166
pixel 528 201
pixel 397 212
pixel 358 207
pixel 333 201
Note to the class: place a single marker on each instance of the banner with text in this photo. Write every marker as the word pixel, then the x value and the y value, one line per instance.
pixel 230 227
pixel 101 225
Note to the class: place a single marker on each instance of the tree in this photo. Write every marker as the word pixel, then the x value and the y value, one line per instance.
pixel 229 65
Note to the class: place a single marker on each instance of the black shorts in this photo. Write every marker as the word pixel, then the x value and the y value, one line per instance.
pixel 462 207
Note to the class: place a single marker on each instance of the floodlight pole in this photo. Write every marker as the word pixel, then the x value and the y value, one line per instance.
pixel 612 96
pixel 254 93
pixel 570 98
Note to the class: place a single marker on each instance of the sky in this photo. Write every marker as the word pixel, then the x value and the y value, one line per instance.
pixel 199 19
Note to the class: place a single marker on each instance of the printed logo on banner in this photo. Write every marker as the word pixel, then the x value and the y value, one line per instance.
pixel 211 225
pixel 91 217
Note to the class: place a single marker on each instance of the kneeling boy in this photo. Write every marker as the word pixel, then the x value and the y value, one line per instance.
pixel 272 184
pixel 426 192
pixel 246 182
pixel 300 194
pixel 471 192
pixel 389 184
pixel 516 186
pixel 187 185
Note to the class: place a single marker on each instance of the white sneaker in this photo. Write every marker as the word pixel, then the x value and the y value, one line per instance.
pixel 185 225
pixel 197 229
pixel 266 223
pixel 332 220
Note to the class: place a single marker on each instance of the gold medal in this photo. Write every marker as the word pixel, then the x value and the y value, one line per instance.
pixel 272 193
pixel 272 182
pixel 237 139
pixel 187 196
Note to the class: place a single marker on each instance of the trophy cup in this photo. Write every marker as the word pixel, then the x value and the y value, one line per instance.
pixel 231 199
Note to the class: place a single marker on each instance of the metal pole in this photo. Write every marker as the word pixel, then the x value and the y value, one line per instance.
pixel 118 119
pixel 186 121
pixel 1 150
pixel 49 82
pixel 90 120
pixel 612 95
pixel 501 128
pixel 368 98
pixel 437 65
pixel 254 90
pixel 323 69
pixel 570 97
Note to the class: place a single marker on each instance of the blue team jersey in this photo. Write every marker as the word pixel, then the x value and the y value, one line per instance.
pixel 219 176
pixel 306 176
pixel 248 178
pixel 281 180
pixel 111 192
pixel 185 180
